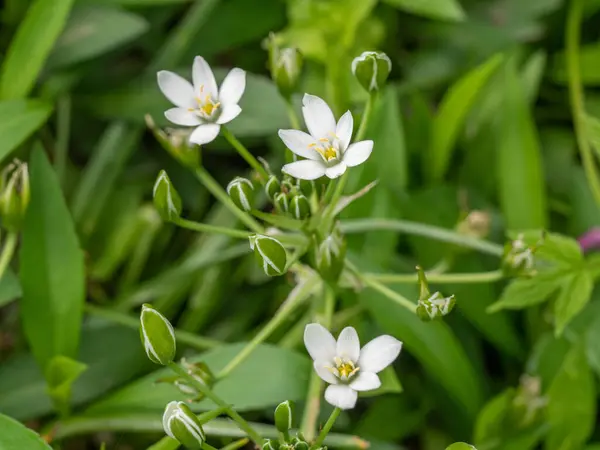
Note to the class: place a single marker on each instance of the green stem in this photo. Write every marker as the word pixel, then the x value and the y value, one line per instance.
pixel 205 228
pixel 244 426
pixel 294 121
pixel 407 278
pixel 206 446
pixel 244 153
pixel 366 118
pixel 332 418
pixel 576 94
pixel 63 119
pixel 7 251
pixel 236 444
pixel 296 297
pixel 183 337
pixel 215 189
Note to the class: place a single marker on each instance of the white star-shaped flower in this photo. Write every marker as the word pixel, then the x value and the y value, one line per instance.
pixel 327 148
pixel 344 365
pixel 202 104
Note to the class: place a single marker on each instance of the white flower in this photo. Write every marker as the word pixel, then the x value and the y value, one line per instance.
pixel 202 105
pixel 327 147
pixel 344 365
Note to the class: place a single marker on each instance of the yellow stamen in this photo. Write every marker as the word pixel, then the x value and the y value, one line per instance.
pixel 323 139
pixel 330 153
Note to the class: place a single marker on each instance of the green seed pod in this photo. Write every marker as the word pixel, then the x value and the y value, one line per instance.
pixel 272 188
pixel 283 417
pixel 14 195
pixel 157 336
pixel 300 207
pixel 282 202
pixel 181 424
pixel 241 192
pixel 269 253
pixel 166 199
pixel 371 69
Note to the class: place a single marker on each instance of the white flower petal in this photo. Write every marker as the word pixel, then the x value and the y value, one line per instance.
pixel 318 117
pixel 343 130
pixel 233 86
pixel 305 169
pixel 365 381
pixel 298 142
pixel 205 133
pixel 322 369
pixel 341 396
pixel 204 79
pixel 319 342
pixel 336 171
pixel 168 414
pixel 348 344
pixel 379 353
pixel 357 153
pixel 182 116
pixel 178 90
pixel 230 111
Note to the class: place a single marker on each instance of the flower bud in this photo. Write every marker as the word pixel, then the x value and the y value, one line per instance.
pixel 282 202
pixel 306 187
pixel 283 417
pixel 241 192
pixel 518 257
pixel 299 442
pixel 269 253
pixel 371 69
pixel 270 444
pixel 285 67
pixel 157 336
pixel 476 224
pixel 434 306
pixel 300 207
pixel 272 188
pixel 330 254
pixel 14 195
pixel 181 424
pixel 177 142
pixel 199 371
pixel 166 199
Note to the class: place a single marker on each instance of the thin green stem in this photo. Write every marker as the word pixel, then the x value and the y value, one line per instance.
pixel 576 94
pixel 327 428
pixel 183 337
pixel 294 121
pixel 205 228
pixel 236 444
pixel 215 189
pixel 63 125
pixel 295 298
pixel 8 251
pixel 366 118
pixel 244 153
pixel 204 389
pixel 206 446
pixel 407 278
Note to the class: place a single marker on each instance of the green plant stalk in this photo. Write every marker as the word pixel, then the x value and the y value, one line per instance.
pixel 294 120
pixel 402 278
pixel 205 228
pixel 366 118
pixel 183 337
pixel 215 189
pixel 244 153
pixel 8 251
pixel 206 446
pixel 576 94
pixel 236 444
pixel 63 125
pixel 244 426
pixel 327 428
pixel 298 296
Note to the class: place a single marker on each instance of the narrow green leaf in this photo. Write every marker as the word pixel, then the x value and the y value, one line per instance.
pixel 573 297
pixel 451 115
pixel 61 373
pixel 14 435
pixel 31 45
pixel 52 268
pixel 390 384
pixel 434 9
pixel 18 120
pixel 10 288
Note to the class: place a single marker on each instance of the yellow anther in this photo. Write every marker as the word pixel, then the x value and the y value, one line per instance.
pixel 201 88
pixel 323 139
pixel 330 153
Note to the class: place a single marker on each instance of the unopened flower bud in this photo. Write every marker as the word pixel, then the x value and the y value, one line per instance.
pixel 285 66
pixel 300 207
pixel 269 253
pixel 371 69
pixel 14 195
pixel 299 442
pixel 166 199
pixel 241 192
pixel 330 254
pixel 181 424
pixel 272 188
pixel 432 306
pixel 157 336
pixel 476 225
pixel 270 444
pixel 177 142
pixel 283 417
pixel 282 202
pixel 199 371
pixel 519 256
pixel 306 187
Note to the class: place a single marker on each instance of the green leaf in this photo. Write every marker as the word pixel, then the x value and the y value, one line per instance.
pixel 434 9
pixel 571 410
pixel 460 446
pixel 31 45
pixel 390 384
pixel 451 115
pixel 15 435
pixel 524 292
pixel 10 288
pixel 573 297
pixel 61 374
pixel 93 31
pixel 269 376
pixel 18 120
pixel 52 268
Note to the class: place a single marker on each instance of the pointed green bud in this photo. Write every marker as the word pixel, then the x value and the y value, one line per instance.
pixel 14 195
pixel 285 65
pixel 270 444
pixel 181 424
pixel 157 336
pixel 306 187
pixel 301 445
pixel 330 254
pixel 282 202
pixel 434 306
pixel 166 199
pixel 283 417
pixel 241 192
pixel 300 207
pixel 269 253
pixel 273 187
pixel 371 69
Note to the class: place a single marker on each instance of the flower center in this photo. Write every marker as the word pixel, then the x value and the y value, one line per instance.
pixel 207 107
pixel 327 148
pixel 344 368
